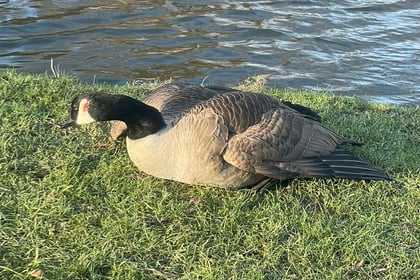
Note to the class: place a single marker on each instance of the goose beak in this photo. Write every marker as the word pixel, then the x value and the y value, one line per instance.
pixel 67 123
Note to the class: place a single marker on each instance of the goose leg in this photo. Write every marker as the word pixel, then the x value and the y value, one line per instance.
pixel 264 185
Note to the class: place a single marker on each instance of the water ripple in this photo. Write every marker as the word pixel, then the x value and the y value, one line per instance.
pixel 365 48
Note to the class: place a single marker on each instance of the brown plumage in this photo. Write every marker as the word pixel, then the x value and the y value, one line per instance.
pixel 225 137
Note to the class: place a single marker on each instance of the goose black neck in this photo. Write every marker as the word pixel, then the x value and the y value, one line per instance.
pixel 141 119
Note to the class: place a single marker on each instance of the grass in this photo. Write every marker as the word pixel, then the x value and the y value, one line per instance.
pixel 72 206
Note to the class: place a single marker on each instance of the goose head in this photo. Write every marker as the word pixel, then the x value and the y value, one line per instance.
pixel 140 118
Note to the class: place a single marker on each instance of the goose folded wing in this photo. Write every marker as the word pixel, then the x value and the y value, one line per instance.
pixel 281 145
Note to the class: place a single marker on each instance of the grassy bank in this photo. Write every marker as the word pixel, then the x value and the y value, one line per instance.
pixel 72 206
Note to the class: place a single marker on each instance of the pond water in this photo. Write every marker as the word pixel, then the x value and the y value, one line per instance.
pixel 364 48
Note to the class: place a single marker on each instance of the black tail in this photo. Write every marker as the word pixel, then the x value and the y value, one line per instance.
pixel 341 164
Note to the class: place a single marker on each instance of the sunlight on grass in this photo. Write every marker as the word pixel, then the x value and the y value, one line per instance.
pixel 72 206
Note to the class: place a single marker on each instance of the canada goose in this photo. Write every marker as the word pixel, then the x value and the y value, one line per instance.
pixel 222 137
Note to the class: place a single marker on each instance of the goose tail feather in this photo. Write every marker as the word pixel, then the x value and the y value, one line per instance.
pixel 342 164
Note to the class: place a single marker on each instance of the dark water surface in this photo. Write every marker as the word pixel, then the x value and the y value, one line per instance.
pixel 365 48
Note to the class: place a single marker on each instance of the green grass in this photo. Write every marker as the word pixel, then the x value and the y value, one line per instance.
pixel 74 207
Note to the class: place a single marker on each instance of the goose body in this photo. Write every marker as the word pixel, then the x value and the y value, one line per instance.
pixel 222 137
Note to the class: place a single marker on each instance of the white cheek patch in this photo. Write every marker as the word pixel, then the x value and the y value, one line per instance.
pixel 83 117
